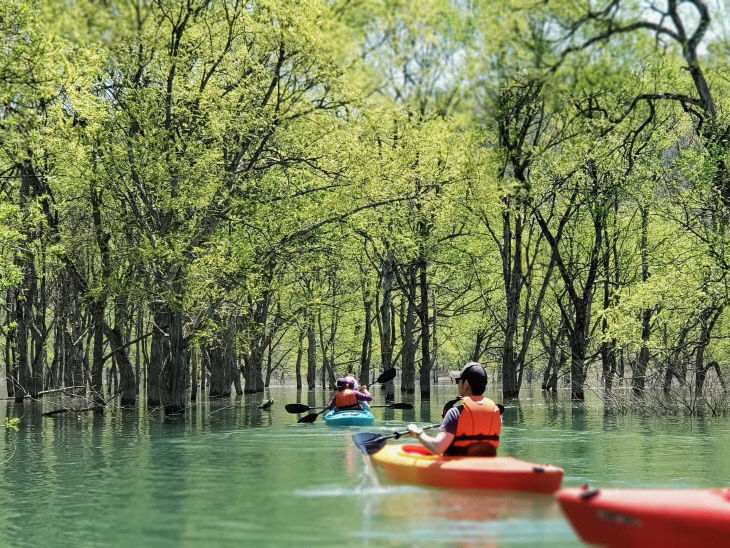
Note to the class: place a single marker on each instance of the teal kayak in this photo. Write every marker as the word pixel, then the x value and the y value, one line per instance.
pixel 349 417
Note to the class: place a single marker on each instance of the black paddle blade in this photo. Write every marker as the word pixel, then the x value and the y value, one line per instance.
pixel 387 375
pixel 368 442
pixel 296 408
pixel 309 418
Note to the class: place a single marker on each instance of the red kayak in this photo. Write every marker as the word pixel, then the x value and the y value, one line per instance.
pixel 649 517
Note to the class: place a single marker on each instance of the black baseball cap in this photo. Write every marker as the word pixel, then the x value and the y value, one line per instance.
pixel 473 372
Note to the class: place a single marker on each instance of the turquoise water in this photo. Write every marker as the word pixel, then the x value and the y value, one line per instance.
pixel 229 474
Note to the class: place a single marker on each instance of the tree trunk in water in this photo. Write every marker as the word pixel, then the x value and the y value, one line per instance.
pixel 253 359
pixel 367 345
pixel 300 353
pixel 553 381
pixel 97 360
pixel 214 356
pixel 708 317
pixel 222 361
pixel 550 375
pixel 408 328
pixel 203 376
pixel 112 379
pixel 435 341
pixel 608 347
pixel 642 361
pixel 674 357
pixel 159 356
pixel 256 324
pixel 39 351
pixel 556 353
pixel 30 333
pixel 608 360
pixel 219 364
pixel 141 354
pixel 327 347
pixel 194 374
pixel 386 339
pixel 311 355
pixel 236 373
pixel 253 381
pixel 75 361
pixel 700 374
pixel 325 371
pixel 60 340
pixel 25 297
pixel 425 371
pixel 269 359
pixel 578 329
pixel 333 335
pixel 120 349
pixel 22 373
pixel 10 363
pixel 270 346
pixel 578 340
pixel 176 377
pixel 168 376
pixel 53 374
pixel 513 281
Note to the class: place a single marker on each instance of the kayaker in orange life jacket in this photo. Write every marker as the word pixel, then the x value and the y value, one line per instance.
pixel 469 429
pixel 348 398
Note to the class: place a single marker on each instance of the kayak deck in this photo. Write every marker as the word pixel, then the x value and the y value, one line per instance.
pixel 415 464
pixel 349 417
pixel 649 517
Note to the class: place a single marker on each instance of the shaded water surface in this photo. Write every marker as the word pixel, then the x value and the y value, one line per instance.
pixel 229 474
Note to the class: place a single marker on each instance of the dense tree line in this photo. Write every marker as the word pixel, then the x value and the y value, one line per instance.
pixel 201 196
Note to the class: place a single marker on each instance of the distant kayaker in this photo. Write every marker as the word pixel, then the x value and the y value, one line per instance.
pixel 349 398
pixel 469 429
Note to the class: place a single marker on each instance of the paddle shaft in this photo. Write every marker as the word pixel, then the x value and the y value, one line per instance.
pixel 370 443
pixel 396 435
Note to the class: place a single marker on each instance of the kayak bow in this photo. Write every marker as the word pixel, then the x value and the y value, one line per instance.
pixel 649 517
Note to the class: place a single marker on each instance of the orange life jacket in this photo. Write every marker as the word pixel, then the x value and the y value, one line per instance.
pixel 346 399
pixel 479 425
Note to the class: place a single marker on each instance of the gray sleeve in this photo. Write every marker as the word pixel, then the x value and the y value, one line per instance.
pixel 450 420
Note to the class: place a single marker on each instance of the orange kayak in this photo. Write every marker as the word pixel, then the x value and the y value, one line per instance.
pixel 649 517
pixel 414 464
